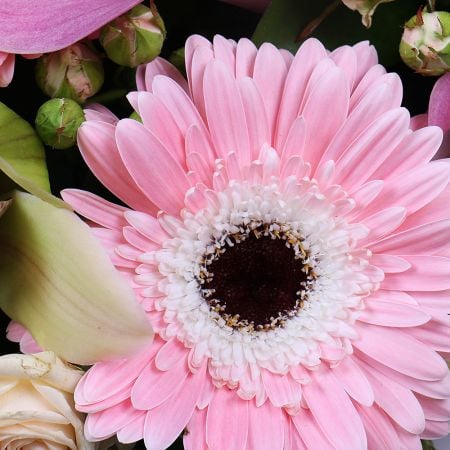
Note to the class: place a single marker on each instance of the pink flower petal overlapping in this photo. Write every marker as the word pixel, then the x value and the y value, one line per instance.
pixel 317 143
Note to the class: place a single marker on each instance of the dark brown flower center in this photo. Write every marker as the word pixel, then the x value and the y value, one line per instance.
pixel 257 283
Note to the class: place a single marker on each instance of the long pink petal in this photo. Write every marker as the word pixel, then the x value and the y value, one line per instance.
pixel 266 427
pixel 353 380
pixel 40 26
pixel 195 436
pixel 400 351
pixel 165 423
pixel 152 167
pixel 397 401
pixel 227 421
pixel 95 208
pixel 225 112
pixel 381 434
pixel 334 412
pixel 97 144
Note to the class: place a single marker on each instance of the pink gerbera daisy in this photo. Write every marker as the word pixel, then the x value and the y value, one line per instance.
pixel 288 239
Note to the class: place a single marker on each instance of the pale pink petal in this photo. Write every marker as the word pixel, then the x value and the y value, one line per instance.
pixel 310 432
pixel 397 401
pixel 133 431
pixel 371 107
pixel 414 150
pixel 305 60
pixel 245 58
pixel 162 178
pixel 320 126
pixel 281 390
pixel 427 273
pixel 200 59
pixel 353 380
pixel 382 223
pixel 400 351
pixel 25 25
pixel 436 334
pixel 381 435
pixel 96 111
pixel 159 66
pixel 255 115
pixel 269 74
pixel 154 387
pixel 224 51
pixel 95 208
pixel 169 354
pixel 226 119
pixel 390 263
pixel 435 429
pixel 194 437
pixel 227 422
pixel 97 144
pixel 266 427
pixel 428 239
pixel 103 424
pixel 389 314
pixel 346 59
pixel 434 302
pixel 366 56
pixel 165 423
pixel 7 61
pixel 416 188
pixel 161 123
pixel 334 412
pixel 357 164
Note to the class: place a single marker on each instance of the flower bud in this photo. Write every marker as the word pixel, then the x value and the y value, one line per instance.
pixel 135 37
pixel 365 7
pixel 57 122
pixel 425 45
pixel 74 72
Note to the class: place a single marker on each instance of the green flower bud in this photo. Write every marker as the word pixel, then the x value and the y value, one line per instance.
pixel 135 37
pixel 57 122
pixel 366 8
pixel 74 72
pixel 425 45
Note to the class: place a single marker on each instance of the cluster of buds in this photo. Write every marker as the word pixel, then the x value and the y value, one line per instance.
pixel 425 45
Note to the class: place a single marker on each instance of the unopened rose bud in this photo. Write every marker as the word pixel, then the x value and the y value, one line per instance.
pixel 74 72
pixel 134 38
pixel 365 7
pixel 425 45
pixel 57 122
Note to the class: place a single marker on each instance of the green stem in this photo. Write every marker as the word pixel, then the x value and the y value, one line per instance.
pixel 311 26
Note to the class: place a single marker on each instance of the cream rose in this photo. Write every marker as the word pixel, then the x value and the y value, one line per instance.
pixel 37 410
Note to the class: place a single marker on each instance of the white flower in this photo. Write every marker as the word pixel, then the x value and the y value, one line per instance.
pixel 36 404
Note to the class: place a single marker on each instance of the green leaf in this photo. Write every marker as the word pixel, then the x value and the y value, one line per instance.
pixel 285 20
pixel 22 157
pixel 58 282
pixel 428 445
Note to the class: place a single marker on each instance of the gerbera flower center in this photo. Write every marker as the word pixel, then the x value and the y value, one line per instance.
pixel 258 277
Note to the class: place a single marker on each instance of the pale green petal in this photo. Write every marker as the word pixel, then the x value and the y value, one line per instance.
pixel 365 7
pixel 58 282
pixel 22 150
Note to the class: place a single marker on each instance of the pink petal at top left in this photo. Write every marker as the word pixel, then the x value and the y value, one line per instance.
pixel 40 26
